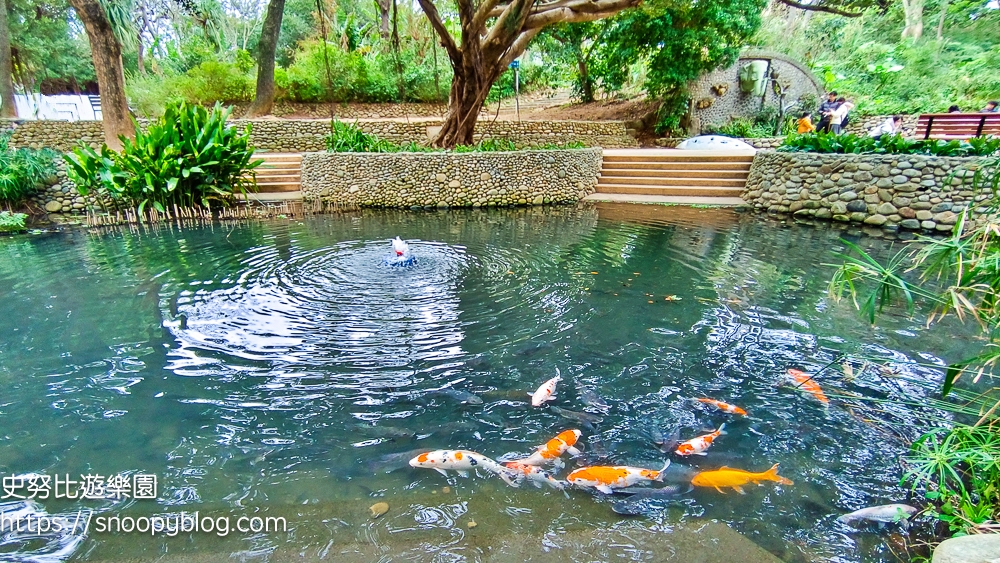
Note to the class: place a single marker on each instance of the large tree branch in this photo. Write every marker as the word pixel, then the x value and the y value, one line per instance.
pixel 485 12
pixel 579 11
pixel 446 40
pixel 518 47
pixel 821 8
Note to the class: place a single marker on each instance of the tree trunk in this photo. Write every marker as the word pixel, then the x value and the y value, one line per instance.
pixel 944 14
pixel 140 62
pixel 263 99
pixel 913 13
pixel 106 53
pixel 383 7
pixel 586 84
pixel 7 108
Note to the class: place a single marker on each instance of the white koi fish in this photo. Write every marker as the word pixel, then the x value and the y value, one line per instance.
pixel 461 462
pixel 400 247
pixel 547 392
pixel 885 513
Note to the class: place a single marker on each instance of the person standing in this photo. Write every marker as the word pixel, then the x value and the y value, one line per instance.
pixel 839 113
pixel 825 110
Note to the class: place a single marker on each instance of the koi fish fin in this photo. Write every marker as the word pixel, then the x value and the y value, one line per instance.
pixel 604 489
pixel 573 451
pixel 722 429
pixel 462 473
pixel 739 490
pixel 720 490
pixel 558 463
pixel 511 478
pixel 441 471
pixel 700 453
pixel 557 484
pixel 659 474
pixel 772 474
pixel 531 394
pixel 536 484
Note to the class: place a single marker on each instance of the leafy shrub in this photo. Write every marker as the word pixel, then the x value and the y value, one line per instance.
pixel 887 144
pixel 345 137
pixel 22 170
pixel 206 83
pixel 189 157
pixel 11 222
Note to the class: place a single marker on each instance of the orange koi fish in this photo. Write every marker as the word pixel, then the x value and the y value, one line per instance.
pixel 550 452
pixel 605 478
pixel 805 382
pixel 546 392
pixel 697 446
pixel 724 407
pixel 736 478
pixel 535 475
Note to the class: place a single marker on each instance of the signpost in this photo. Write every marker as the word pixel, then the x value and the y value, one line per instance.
pixel 516 64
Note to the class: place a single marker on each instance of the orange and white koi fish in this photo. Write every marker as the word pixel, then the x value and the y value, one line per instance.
pixel 736 478
pixel 550 452
pixel 697 446
pixel 806 382
pixel 461 461
pixel 724 407
pixel 534 474
pixel 547 392
pixel 605 478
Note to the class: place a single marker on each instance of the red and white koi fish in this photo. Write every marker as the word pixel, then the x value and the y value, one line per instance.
pixel 547 392
pixel 605 478
pixel 806 383
pixel 534 474
pixel 400 247
pixel 724 407
pixel 461 461
pixel 697 446
pixel 550 452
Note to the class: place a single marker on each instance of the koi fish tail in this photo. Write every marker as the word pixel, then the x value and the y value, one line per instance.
pixel 510 477
pixel 772 475
pixel 722 429
pixel 659 474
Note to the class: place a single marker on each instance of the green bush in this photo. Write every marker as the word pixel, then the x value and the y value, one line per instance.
pixel 887 144
pixel 206 83
pixel 22 170
pixel 188 158
pixel 346 137
pixel 11 222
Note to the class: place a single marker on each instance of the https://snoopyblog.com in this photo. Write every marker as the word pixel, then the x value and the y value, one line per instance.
pixel 19 518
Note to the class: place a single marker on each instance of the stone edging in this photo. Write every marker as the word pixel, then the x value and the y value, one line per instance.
pixel 891 191
pixel 445 179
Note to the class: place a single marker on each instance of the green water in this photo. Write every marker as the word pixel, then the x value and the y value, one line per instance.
pixel 272 369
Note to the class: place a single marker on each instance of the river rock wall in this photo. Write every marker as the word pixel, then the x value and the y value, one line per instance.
pixel 891 191
pixel 308 135
pixel 420 180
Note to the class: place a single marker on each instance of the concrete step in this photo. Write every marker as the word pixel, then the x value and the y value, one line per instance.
pixel 703 191
pixel 675 165
pixel 282 178
pixel 674 199
pixel 279 156
pixel 664 181
pixel 272 187
pixel 728 174
pixel 677 157
pixel 280 196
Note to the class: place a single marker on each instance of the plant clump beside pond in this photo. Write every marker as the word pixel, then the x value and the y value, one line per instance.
pixel 831 143
pixel 22 171
pixel 187 158
pixel 12 222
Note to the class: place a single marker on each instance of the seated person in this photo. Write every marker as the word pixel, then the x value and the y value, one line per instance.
pixel 890 126
pixel 991 107
pixel 954 109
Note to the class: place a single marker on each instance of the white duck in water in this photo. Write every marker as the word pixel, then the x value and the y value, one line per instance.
pixel 400 254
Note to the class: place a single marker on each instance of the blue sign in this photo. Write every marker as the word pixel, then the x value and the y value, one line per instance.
pixel 515 64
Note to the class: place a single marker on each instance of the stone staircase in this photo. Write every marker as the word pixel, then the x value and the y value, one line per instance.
pixel 279 178
pixel 673 176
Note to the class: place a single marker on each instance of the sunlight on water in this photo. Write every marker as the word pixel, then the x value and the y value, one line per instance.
pixel 283 369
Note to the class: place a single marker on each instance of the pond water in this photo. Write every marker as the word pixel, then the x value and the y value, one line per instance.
pixel 282 370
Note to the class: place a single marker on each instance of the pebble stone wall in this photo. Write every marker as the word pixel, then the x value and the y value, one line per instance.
pixel 307 135
pixel 59 194
pixel 890 191
pixel 442 180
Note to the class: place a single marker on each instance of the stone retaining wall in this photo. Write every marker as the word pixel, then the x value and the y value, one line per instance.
pixel 483 179
pixel 307 135
pixel 891 191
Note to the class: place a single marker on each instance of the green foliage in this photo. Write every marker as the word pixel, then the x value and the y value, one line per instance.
pixel 960 472
pixel 204 84
pixel 820 142
pixel 762 124
pixel 22 171
pixel 46 45
pixel 189 157
pixel 532 76
pixel 345 137
pixel 865 59
pixel 11 222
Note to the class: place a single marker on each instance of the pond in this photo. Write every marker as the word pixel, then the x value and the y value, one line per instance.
pixel 282 371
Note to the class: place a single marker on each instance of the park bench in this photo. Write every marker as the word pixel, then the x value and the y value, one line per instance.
pixel 957 125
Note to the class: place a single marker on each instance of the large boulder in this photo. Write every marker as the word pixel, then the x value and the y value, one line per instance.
pixel 981 548
pixel 714 143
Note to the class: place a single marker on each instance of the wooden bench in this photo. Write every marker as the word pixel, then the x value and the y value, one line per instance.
pixel 957 125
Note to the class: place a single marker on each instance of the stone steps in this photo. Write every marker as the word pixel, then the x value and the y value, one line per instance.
pixel 280 172
pixel 668 173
